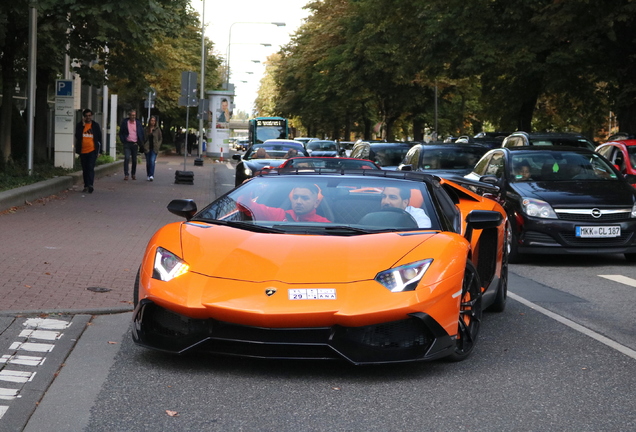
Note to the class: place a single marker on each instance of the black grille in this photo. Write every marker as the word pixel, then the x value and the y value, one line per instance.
pixel 590 218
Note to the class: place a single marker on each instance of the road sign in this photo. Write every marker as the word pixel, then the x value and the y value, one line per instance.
pixel 64 88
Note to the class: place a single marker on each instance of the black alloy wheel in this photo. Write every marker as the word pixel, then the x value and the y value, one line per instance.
pixel 136 289
pixel 470 313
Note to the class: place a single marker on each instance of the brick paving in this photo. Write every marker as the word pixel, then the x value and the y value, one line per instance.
pixel 57 248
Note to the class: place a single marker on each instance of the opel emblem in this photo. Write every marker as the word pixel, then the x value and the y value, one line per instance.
pixel 596 213
pixel 270 291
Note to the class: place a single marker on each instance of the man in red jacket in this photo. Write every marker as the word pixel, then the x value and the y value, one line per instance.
pixel 304 199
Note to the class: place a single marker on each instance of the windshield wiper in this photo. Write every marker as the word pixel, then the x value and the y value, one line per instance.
pixel 249 226
pixel 332 229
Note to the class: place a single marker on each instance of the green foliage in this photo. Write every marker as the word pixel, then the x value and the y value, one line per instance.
pixel 542 65
pixel 15 174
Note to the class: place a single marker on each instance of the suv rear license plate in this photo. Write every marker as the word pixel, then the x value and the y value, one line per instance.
pixel 598 231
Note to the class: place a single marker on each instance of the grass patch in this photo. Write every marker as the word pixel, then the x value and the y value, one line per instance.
pixel 15 174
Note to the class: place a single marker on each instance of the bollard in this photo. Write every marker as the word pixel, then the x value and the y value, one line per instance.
pixel 221 158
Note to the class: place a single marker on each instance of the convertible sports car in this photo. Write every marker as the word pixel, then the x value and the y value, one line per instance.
pixel 263 157
pixel 369 266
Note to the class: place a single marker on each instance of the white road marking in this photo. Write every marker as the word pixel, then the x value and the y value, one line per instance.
pixel 41 334
pixel 46 323
pixel 31 346
pixel 3 409
pixel 22 360
pixel 584 330
pixel 620 279
pixel 8 394
pixel 16 376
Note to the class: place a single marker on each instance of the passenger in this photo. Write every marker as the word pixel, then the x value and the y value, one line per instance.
pixel 304 199
pixel 291 153
pixel 261 153
pixel 399 198
pixel 523 171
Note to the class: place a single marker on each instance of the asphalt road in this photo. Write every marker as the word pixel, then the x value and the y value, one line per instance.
pixel 561 357
pixel 529 372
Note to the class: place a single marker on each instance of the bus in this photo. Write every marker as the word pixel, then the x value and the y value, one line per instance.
pixel 264 128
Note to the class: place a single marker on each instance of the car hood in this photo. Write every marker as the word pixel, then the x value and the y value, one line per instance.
pixel 578 193
pixel 231 253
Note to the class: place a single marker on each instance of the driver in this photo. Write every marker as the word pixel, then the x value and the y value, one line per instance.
pixel 305 199
pixel 399 198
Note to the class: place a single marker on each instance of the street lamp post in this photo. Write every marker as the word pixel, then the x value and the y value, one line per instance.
pixel 227 80
pixel 202 89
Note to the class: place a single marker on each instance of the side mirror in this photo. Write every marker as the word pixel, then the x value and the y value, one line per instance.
pixel 183 207
pixel 406 168
pixel 236 157
pixel 481 219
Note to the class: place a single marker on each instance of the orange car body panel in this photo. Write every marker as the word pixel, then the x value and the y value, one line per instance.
pixel 346 264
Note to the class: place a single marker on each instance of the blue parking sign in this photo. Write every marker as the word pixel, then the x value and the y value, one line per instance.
pixel 63 87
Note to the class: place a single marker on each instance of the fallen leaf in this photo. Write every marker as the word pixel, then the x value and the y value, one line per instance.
pixel 335 388
pixel 28 286
pixel 172 413
pixel 47 273
pixel 112 343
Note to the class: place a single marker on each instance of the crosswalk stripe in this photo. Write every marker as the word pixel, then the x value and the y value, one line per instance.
pixel 621 279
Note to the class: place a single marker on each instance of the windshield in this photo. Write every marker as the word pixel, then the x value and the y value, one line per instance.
pixel 451 158
pixel 263 133
pixel 390 155
pixel 321 146
pixel 274 151
pixel 334 164
pixel 560 166
pixel 342 205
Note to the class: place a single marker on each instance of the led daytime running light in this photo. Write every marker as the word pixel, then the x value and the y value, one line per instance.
pixel 403 278
pixel 168 266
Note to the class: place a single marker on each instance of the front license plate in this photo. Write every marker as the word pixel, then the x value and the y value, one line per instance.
pixel 312 294
pixel 598 231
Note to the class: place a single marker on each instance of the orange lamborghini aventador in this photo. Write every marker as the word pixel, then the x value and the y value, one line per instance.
pixel 368 266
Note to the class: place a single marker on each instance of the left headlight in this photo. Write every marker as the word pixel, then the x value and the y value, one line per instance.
pixel 634 210
pixel 537 208
pixel 403 278
pixel 168 266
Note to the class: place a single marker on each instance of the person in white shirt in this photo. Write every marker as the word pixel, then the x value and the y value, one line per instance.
pixel 399 198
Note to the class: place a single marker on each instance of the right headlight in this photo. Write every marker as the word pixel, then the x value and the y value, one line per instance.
pixel 634 210
pixel 537 208
pixel 168 266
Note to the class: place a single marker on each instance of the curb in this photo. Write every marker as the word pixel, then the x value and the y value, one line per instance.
pixel 29 193
pixel 88 311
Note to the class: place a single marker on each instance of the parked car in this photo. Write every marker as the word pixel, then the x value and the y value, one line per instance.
pixel 386 155
pixel 255 272
pixel 547 139
pixel 443 158
pixel 326 164
pixel 623 155
pixel 323 148
pixel 264 157
pixel 561 200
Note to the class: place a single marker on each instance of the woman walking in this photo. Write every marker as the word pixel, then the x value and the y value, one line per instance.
pixel 151 146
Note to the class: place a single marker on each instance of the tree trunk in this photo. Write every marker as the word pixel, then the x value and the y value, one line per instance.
pixel 8 85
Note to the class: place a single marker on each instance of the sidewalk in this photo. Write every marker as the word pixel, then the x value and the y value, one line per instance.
pixel 77 252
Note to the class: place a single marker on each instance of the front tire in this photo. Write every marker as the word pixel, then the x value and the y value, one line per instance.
pixel 136 289
pixel 630 257
pixel 499 305
pixel 470 313
pixel 512 244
